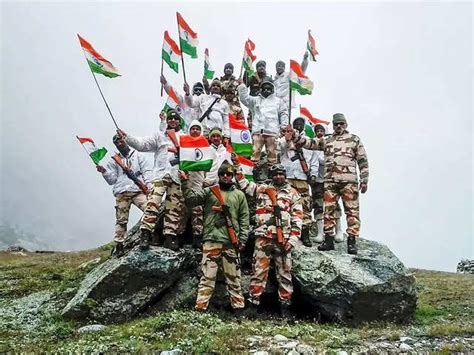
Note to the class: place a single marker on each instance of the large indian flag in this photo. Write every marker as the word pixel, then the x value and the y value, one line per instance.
pixel 298 80
pixel 246 164
pixel 187 37
pixel 195 153
pixel 97 63
pixel 96 154
pixel 249 57
pixel 311 47
pixel 240 136
pixel 170 52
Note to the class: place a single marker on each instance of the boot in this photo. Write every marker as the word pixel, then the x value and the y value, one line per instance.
pixel 305 237
pixel 145 239
pixel 320 235
pixel 351 245
pixel 119 249
pixel 251 310
pixel 339 237
pixel 285 312
pixel 171 242
pixel 328 243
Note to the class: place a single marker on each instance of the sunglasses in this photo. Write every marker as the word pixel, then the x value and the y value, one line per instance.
pixel 226 174
pixel 173 118
pixel 339 124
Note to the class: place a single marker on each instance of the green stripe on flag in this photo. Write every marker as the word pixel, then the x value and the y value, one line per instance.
pixel 209 74
pixel 299 88
pixel 187 48
pixel 249 177
pixel 308 130
pixel 98 69
pixel 167 58
pixel 203 165
pixel 242 149
pixel 98 155
pixel 248 68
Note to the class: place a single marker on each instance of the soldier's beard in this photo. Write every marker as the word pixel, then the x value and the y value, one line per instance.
pixel 225 185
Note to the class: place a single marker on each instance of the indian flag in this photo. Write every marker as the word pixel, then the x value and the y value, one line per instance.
pixel 249 57
pixel 306 114
pixel 195 153
pixel 240 136
pixel 208 70
pixel 298 80
pixel 246 164
pixel 97 63
pixel 187 37
pixel 311 47
pixel 173 103
pixel 170 52
pixel 95 154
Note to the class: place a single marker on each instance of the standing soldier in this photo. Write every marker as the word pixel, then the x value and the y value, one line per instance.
pixel 279 219
pixel 253 83
pixel 126 191
pixel 215 139
pixel 226 216
pixel 342 151
pixel 270 115
pixel 301 167
pixel 165 179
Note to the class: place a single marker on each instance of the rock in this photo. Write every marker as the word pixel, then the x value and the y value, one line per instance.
pixel 171 352
pixel 385 345
pixel 91 328
pixel 373 285
pixel 406 340
pixel 16 249
pixel 405 347
pixel 342 353
pixel 280 338
pixel 260 353
pixel 305 349
pixel 290 345
pixel 89 263
pixel 293 352
pixel 121 288
pixel 465 266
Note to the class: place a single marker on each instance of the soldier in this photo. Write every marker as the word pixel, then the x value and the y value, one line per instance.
pixel 215 139
pixel 165 179
pixel 126 192
pixel 282 80
pixel 273 241
pixel 317 191
pixel 217 245
pixel 270 116
pixel 229 92
pixel 342 151
pixel 219 113
pixel 196 180
pixel 301 166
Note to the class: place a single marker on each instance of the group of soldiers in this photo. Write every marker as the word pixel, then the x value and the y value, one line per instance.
pixel 307 176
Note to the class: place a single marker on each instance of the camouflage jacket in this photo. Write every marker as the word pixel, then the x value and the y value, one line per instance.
pixel 342 153
pixel 215 229
pixel 291 209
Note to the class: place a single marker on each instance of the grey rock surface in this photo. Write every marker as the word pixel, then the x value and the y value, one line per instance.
pixel 373 285
pixel 93 328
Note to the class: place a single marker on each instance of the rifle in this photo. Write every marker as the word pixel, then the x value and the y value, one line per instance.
pixel 224 210
pixel 174 139
pixel 130 174
pixel 271 192
pixel 209 109
pixel 304 165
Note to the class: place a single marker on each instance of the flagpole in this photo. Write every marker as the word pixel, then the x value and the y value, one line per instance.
pixel 182 56
pixel 161 75
pixel 289 100
pixel 86 150
pixel 101 94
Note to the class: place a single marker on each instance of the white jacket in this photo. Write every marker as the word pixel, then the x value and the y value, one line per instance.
pixel 320 156
pixel 158 143
pixel 221 155
pixel 293 168
pixel 269 114
pixel 219 115
pixel 188 113
pixel 114 174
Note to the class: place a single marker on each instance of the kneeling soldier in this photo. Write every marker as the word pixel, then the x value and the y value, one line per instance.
pixel 226 228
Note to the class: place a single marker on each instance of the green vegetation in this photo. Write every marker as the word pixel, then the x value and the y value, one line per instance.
pixel 35 287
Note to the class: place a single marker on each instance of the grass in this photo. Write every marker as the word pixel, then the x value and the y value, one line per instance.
pixel 35 287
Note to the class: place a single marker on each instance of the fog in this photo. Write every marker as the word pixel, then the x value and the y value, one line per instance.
pixel 401 73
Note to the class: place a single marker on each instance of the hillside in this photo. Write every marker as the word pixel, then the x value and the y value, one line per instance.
pixel 35 287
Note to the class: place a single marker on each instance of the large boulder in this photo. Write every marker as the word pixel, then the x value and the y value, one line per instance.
pixel 334 286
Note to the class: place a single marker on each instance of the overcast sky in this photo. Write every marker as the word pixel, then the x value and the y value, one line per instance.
pixel 401 73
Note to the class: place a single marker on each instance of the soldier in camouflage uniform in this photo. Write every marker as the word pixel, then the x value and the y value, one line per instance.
pixel 125 190
pixel 267 246
pixel 343 151
pixel 229 92
pixel 217 246
pixel 165 179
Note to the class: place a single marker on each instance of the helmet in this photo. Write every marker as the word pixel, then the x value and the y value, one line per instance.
pixel 173 113
pixel 226 168
pixel 277 168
